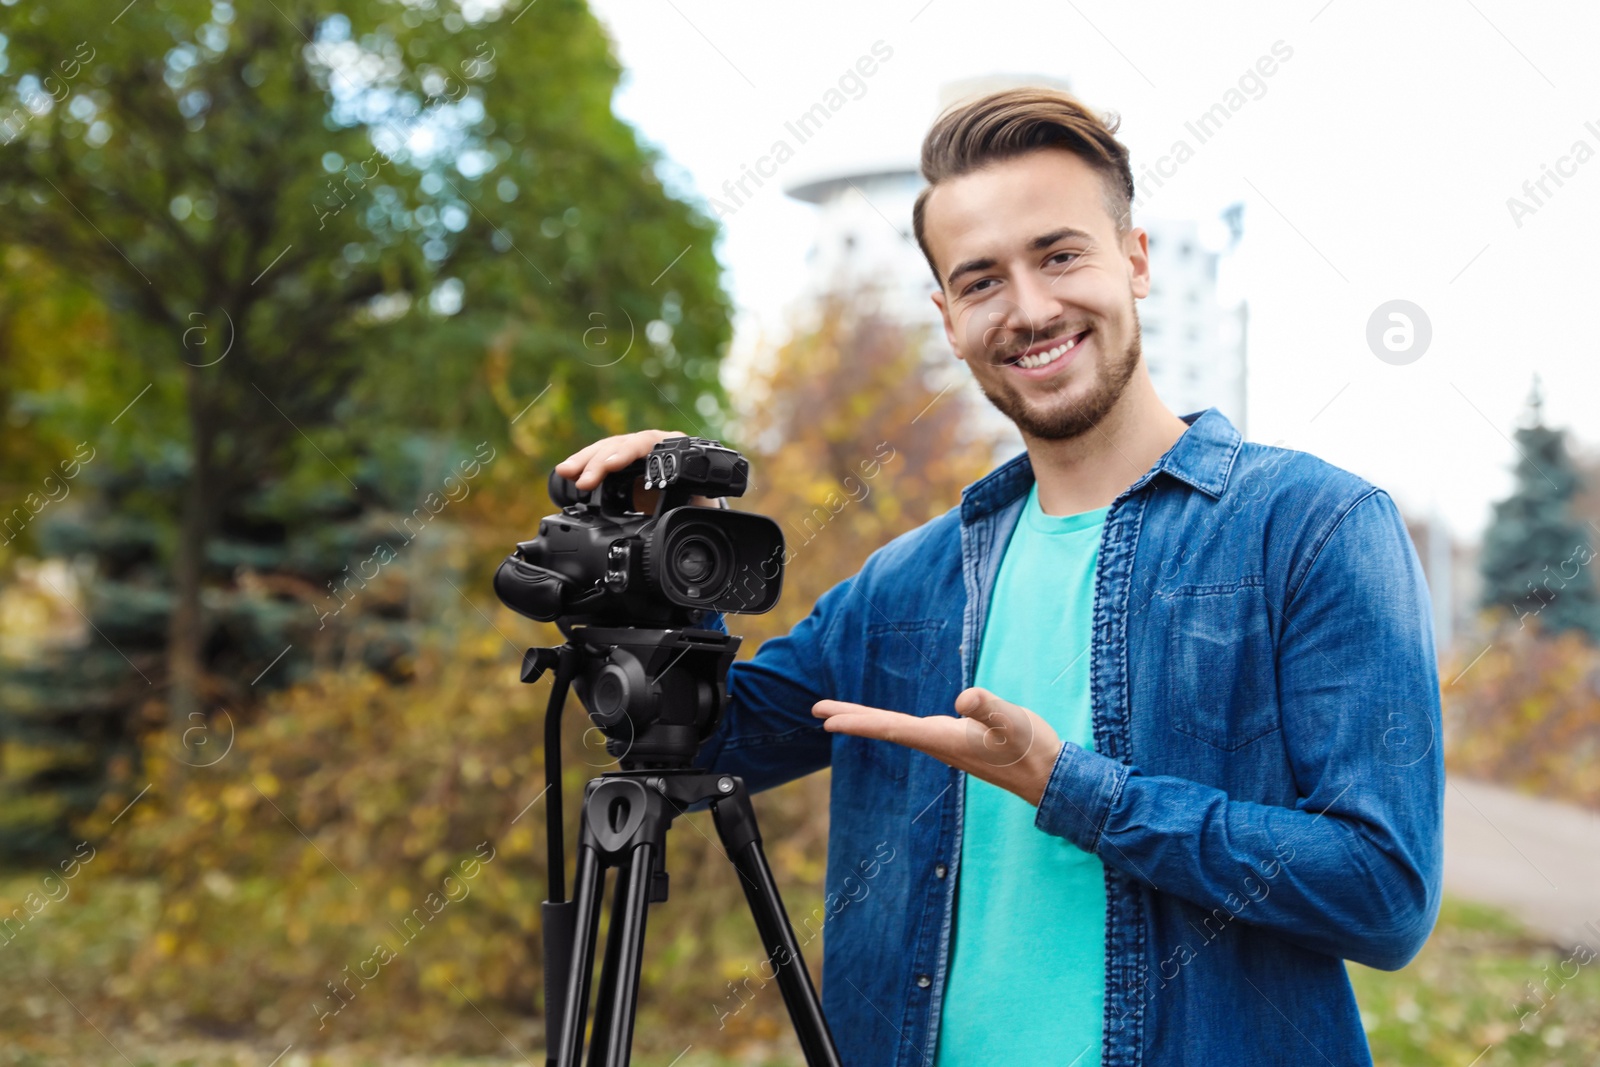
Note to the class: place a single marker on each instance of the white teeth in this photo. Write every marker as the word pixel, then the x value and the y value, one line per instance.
pixel 1049 356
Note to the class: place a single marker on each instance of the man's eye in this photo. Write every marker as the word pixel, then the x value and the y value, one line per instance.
pixel 973 288
pixel 1062 257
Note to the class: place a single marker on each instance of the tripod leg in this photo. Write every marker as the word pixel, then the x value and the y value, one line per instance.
pixel 605 997
pixel 559 934
pixel 633 908
pixel 566 1048
pixel 736 824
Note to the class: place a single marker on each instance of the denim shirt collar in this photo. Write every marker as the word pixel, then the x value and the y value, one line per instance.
pixel 1202 457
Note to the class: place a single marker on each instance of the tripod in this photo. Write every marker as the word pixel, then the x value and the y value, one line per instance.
pixel 623 826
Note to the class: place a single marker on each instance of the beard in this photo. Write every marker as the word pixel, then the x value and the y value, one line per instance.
pixel 1057 418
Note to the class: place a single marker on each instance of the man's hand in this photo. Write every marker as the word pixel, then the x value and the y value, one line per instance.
pixel 589 466
pixel 997 741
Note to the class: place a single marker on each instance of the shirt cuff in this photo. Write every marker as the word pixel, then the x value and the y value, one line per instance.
pixel 1082 788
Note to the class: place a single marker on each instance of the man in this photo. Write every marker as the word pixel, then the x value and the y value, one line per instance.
pixel 1146 727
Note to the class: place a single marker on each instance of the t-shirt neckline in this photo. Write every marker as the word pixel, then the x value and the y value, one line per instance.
pixel 1037 520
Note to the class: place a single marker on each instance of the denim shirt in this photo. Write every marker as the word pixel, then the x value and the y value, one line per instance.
pixel 1266 785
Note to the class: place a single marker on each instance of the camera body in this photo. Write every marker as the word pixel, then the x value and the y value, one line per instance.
pixel 599 562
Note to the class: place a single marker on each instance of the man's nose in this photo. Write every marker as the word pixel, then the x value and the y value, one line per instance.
pixel 1036 304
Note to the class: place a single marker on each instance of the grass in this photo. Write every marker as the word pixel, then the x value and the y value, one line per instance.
pixel 1468 999
pixel 1484 992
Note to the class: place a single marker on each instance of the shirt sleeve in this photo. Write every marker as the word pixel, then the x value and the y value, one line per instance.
pixel 1354 869
pixel 768 735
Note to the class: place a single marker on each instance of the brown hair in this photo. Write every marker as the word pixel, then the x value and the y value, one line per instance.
pixel 1013 122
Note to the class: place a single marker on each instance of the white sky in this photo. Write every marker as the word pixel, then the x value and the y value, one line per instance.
pixel 1376 165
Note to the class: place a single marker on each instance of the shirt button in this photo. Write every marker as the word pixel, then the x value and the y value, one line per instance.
pixel 923 981
pixel 940 870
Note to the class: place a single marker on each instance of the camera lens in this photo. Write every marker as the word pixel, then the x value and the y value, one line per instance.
pixel 694 561
pixel 698 558
pixel 713 559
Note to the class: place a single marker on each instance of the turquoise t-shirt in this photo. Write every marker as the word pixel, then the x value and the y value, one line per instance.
pixel 1027 966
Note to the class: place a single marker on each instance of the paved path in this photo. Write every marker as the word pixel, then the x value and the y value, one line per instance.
pixel 1537 859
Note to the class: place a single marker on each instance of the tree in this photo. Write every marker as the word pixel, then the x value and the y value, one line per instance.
pixel 1536 555
pixel 335 246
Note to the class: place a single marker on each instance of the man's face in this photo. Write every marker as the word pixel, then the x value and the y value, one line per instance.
pixel 1038 288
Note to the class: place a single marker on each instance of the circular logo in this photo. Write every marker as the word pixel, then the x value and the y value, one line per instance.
pixel 196 340
pixel 193 744
pixel 998 738
pixel 1405 742
pixel 992 330
pixel 598 744
pixel 597 339
pixel 1398 332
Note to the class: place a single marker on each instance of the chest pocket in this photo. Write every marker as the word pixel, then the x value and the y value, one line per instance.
pixel 907 668
pixel 1224 664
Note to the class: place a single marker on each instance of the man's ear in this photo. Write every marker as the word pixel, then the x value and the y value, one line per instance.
pixel 1136 246
pixel 949 327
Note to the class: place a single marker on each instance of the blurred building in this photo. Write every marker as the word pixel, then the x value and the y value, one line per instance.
pixel 1194 345
pixel 1451 570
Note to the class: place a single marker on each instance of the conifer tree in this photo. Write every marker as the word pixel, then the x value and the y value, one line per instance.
pixel 1536 554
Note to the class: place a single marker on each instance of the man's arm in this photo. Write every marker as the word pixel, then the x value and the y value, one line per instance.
pixel 1354 869
pixel 768 735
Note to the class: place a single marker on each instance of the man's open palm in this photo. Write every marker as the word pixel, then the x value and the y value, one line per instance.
pixel 992 739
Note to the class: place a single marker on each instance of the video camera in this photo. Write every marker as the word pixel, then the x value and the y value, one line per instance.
pixel 602 563
pixel 636 592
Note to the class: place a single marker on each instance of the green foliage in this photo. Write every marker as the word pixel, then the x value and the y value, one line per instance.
pixel 1535 553
pixel 280 266
pixel 463 225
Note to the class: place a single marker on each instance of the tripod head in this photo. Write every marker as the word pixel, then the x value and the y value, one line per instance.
pixel 656 695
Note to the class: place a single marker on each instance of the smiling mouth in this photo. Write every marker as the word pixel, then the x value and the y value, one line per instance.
pixel 1034 360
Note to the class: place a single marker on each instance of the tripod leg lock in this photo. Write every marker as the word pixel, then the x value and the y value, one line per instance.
pixel 735 818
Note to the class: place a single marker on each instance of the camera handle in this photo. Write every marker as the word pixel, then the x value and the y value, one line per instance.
pixel 623 825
